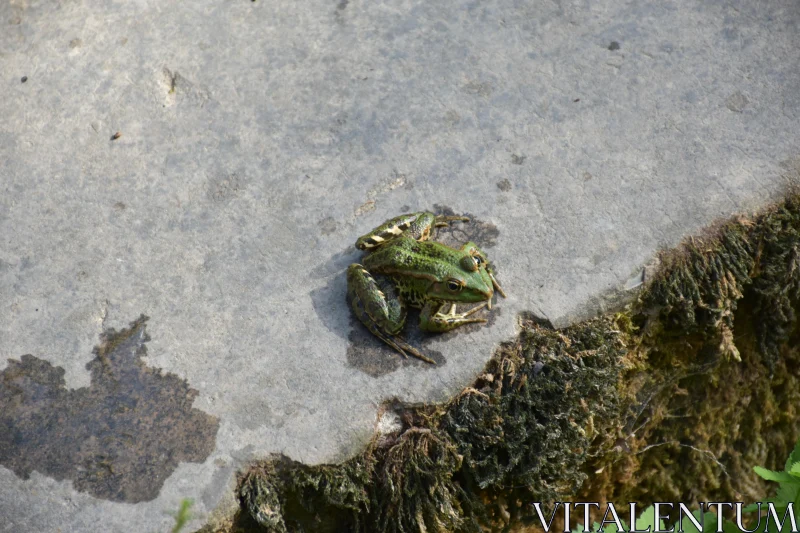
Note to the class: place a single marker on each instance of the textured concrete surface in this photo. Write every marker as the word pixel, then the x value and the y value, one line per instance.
pixel 257 140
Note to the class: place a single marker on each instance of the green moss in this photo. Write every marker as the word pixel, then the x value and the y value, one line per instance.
pixel 699 288
pixel 674 398
pixel 714 385
pixel 261 494
pixel 284 495
pixel 415 485
pixel 526 426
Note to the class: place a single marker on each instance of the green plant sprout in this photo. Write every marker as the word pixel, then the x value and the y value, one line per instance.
pixel 182 515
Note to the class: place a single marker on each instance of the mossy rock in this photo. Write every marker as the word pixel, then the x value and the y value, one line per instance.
pixel 673 399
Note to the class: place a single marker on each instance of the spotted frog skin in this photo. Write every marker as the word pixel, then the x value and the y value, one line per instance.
pixel 404 268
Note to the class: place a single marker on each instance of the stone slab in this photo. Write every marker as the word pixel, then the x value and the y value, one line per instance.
pixel 257 140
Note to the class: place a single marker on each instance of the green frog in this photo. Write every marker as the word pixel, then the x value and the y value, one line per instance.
pixel 404 268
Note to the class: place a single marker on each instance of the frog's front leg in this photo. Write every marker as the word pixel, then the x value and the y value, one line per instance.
pixel 433 319
pixel 415 225
pixel 375 302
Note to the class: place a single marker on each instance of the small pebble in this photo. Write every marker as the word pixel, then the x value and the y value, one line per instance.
pixel 24 79
pixel 613 46
pixel 116 136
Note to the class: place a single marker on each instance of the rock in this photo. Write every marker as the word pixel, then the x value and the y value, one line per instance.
pixel 260 139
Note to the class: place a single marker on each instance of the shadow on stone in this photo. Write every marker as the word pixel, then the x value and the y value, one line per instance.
pixel 484 234
pixel 118 439
pixel 329 301
pixel 376 358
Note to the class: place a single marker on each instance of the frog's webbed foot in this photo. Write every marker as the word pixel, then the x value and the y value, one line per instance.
pixel 376 304
pixel 433 319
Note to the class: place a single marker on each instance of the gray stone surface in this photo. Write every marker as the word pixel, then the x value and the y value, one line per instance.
pixel 259 139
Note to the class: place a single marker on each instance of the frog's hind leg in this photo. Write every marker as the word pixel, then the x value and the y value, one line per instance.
pixel 402 346
pixel 386 231
pixel 422 227
pixel 445 220
pixel 418 226
pixel 432 319
pixel 375 302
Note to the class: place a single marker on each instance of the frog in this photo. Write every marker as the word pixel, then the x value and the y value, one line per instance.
pixel 403 267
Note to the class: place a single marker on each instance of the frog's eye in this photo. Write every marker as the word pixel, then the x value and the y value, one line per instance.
pixel 454 285
pixel 478 260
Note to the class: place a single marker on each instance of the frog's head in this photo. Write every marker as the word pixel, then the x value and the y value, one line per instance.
pixel 467 280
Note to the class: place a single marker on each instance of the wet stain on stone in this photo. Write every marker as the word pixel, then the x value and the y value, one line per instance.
pixel 452 117
pixel 504 185
pixel 340 8
pixel 221 189
pixel 736 102
pixel 614 45
pixel 484 234
pixel 327 225
pixel 483 89
pixel 118 439
pixel 375 358
pixel 517 159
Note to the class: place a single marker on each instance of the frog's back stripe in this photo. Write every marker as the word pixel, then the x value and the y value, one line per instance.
pixel 386 231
